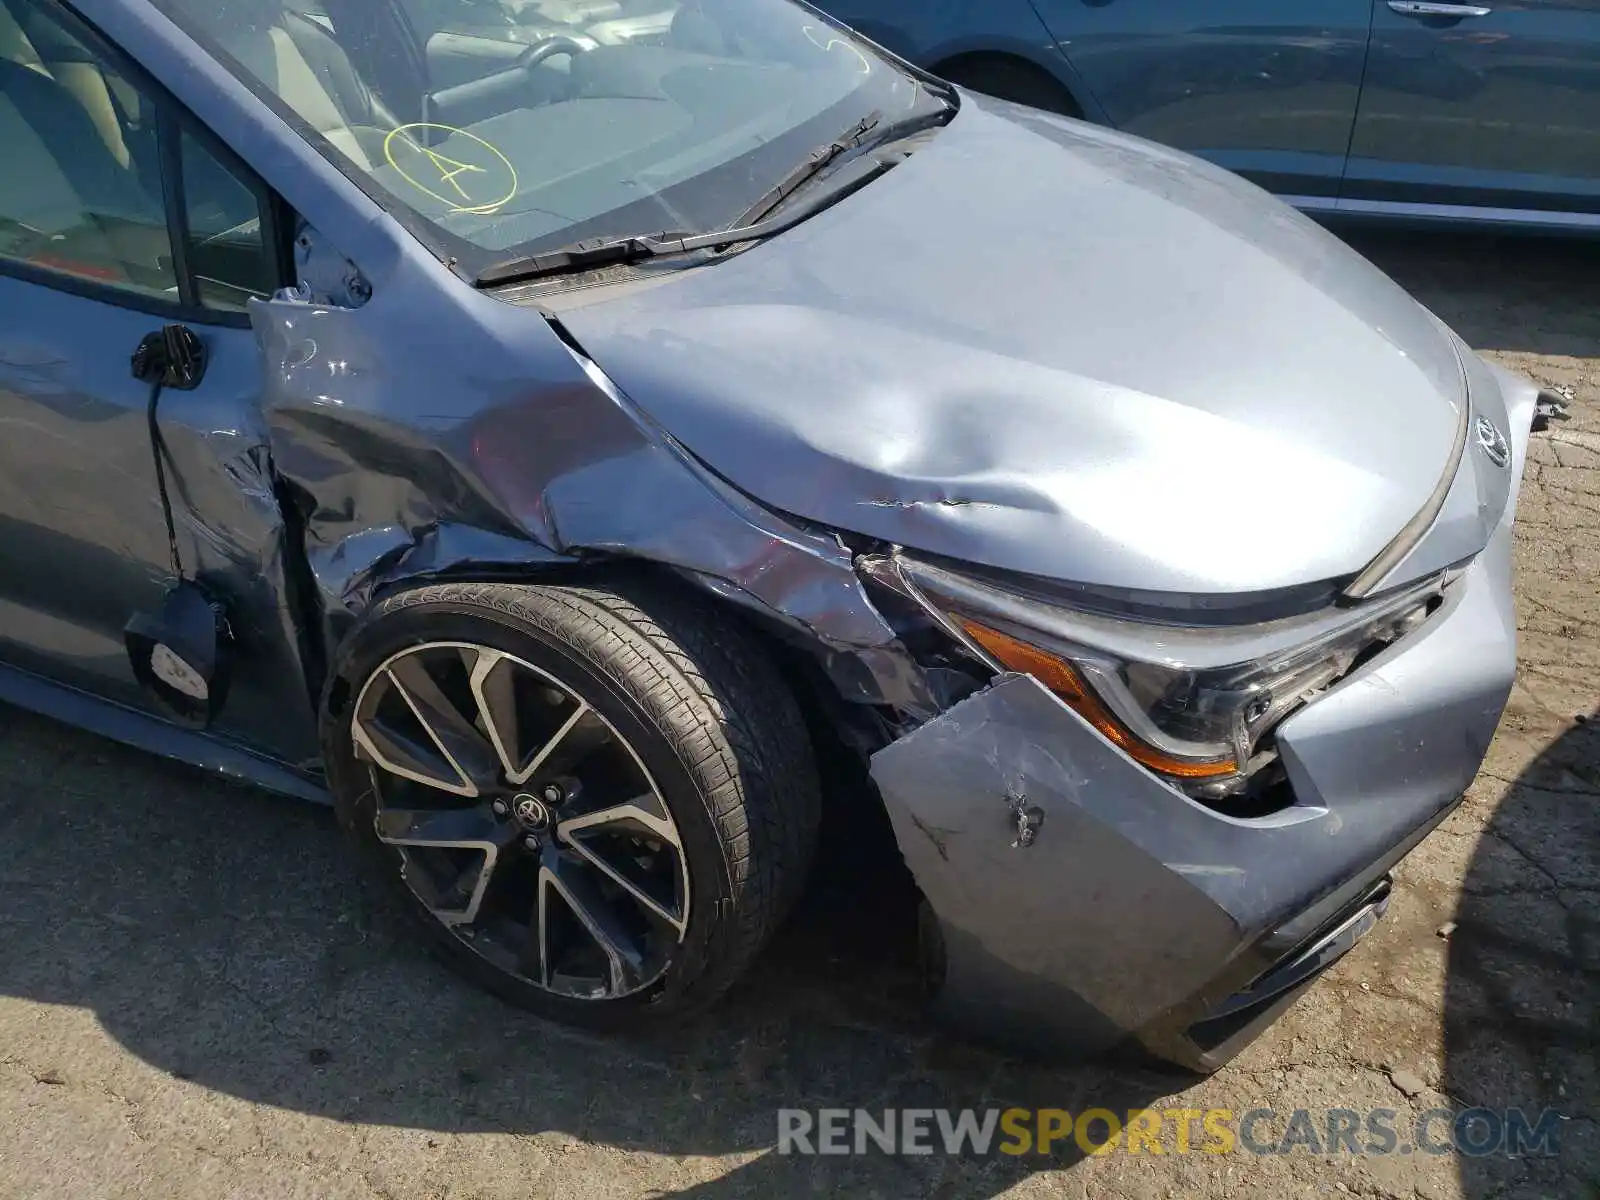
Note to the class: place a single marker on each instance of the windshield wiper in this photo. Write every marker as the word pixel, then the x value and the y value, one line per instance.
pixel 854 138
pixel 814 164
pixel 605 252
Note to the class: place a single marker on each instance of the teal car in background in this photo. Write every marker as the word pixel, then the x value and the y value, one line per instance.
pixel 1484 113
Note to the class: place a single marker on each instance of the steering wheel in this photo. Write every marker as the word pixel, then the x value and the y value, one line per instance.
pixel 527 63
pixel 495 93
pixel 550 47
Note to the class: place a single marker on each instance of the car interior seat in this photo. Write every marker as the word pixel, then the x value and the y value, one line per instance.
pixel 64 192
pixel 29 39
pixel 304 65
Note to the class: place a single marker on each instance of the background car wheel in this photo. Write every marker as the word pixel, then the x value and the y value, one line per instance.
pixel 1009 79
pixel 590 801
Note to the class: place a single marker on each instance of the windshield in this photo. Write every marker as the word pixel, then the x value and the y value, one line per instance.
pixel 511 126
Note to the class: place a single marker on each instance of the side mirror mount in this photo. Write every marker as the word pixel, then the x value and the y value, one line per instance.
pixel 173 356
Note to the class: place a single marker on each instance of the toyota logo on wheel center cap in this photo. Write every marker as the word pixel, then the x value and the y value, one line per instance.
pixel 531 812
pixel 1493 442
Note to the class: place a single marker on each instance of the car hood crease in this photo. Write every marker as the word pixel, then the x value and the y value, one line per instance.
pixel 1048 348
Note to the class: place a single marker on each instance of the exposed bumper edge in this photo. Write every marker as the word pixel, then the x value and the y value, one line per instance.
pixel 1129 910
pixel 1134 911
pixel 1211 1041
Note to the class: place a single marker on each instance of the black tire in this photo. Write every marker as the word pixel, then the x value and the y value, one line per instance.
pixel 705 713
pixel 1010 79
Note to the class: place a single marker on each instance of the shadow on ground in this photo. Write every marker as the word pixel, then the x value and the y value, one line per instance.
pixel 1522 992
pixel 215 932
pixel 1521 295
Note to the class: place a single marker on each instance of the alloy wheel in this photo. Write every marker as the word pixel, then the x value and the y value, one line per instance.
pixel 523 820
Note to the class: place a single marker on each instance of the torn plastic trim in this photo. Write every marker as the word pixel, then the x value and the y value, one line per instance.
pixel 1550 406
pixel 1204 1035
pixel 1326 947
pixel 891 571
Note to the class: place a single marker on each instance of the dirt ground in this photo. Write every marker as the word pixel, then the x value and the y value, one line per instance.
pixel 196 1002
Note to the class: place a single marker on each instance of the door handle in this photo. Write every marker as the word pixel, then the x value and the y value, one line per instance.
pixel 1433 8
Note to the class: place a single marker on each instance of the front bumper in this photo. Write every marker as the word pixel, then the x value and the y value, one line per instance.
pixel 1082 901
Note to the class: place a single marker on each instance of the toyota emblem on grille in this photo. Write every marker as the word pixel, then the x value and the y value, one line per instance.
pixel 1493 442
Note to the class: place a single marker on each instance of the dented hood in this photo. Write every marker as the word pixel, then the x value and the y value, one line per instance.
pixel 1049 348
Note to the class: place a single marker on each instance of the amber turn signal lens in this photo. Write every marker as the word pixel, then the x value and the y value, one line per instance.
pixel 1062 678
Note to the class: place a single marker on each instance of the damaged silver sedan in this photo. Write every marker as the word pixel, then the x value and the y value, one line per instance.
pixel 551 430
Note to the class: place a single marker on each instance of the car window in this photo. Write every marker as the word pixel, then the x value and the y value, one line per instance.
pixel 506 125
pixel 80 192
pixel 81 186
pixel 228 252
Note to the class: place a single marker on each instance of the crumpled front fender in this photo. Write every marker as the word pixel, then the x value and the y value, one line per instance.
pixel 433 431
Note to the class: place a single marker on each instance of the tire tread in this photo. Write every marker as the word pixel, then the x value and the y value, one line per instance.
pixel 718 700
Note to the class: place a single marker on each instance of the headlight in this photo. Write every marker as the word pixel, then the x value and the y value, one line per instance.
pixel 1192 703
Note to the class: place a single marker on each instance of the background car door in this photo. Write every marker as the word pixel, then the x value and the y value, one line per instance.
pixel 1494 103
pixel 940 33
pixel 115 219
pixel 1267 88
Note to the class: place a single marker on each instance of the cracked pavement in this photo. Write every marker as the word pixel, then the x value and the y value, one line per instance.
pixel 197 1000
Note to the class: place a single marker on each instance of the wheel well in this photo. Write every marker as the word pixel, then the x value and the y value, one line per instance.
pixel 859 867
pixel 833 725
pixel 858 855
pixel 854 819
pixel 1009 77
